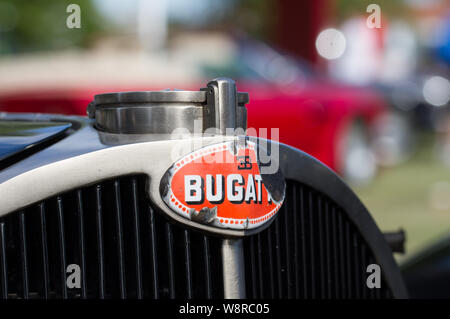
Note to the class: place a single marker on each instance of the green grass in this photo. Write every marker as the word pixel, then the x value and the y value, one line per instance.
pixel 400 198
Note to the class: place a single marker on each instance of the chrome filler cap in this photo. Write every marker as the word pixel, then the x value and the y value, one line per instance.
pixel 218 106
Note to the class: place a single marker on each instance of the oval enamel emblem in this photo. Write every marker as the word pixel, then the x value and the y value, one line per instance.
pixel 221 185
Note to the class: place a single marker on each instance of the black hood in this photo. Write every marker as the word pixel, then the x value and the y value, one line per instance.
pixel 19 138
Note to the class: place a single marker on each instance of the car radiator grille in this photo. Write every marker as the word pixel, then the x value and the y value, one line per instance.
pixel 125 248
pixel 311 250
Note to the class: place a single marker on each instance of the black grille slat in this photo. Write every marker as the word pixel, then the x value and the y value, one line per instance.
pixel 3 262
pixel 171 273
pixel 187 261
pixel 137 243
pixel 278 257
pixel 154 258
pixel 253 266
pixel 113 232
pixel 328 252
pixel 260 262
pixel 321 250
pixel 119 230
pixel 312 263
pixel 335 253
pixel 81 243
pixel 100 246
pixel 45 273
pixel 24 255
pixel 317 252
pixel 303 241
pixel 62 246
pixel 341 256
pixel 356 263
pixel 293 215
pixel 287 251
pixel 373 292
pixel 364 262
pixel 270 263
pixel 207 257
pixel 349 264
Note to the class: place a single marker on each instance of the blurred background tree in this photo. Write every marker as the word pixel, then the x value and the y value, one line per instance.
pixel 349 8
pixel 30 26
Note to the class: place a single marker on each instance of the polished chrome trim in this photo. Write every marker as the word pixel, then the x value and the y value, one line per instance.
pixel 223 100
pixel 150 96
pixel 149 118
pixel 159 96
pixel 233 269
pixel 218 106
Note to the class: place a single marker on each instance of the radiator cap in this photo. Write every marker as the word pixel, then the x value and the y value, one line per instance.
pixel 217 106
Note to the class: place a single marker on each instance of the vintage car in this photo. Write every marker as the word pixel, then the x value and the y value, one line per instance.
pixel 150 196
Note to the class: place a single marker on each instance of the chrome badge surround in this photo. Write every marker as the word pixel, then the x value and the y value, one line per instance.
pixel 217 215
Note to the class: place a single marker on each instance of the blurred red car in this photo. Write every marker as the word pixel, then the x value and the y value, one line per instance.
pixel 318 119
pixel 329 121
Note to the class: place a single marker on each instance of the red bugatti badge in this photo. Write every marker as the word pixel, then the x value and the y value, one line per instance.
pixel 221 185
